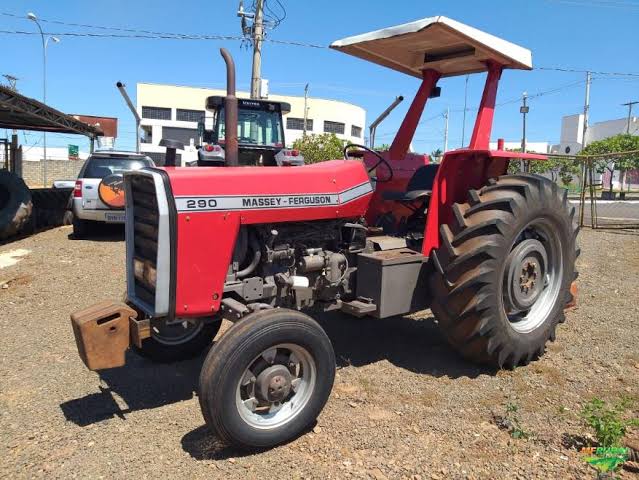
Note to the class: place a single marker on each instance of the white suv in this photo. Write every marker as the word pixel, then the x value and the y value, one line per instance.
pixel 98 195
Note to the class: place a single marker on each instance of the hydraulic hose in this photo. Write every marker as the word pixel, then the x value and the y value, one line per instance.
pixel 257 256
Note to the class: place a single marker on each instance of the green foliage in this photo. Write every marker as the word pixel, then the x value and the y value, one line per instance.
pixel 436 155
pixel 619 143
pixel 558 168
pixel 608 421
pixel 319 148
pixel 383 147
pixel 512 416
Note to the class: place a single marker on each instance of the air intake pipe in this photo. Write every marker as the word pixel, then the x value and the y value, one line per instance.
pixel 230 111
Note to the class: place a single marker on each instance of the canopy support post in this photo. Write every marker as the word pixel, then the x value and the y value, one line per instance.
pixel 484 121
pixel 406 131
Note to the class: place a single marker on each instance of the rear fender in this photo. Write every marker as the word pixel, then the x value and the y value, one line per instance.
pixel 460 171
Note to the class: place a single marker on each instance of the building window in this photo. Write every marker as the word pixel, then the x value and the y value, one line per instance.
pixel 159 157
pixel 185 115
pixel 147 135
pixel 356 131
pixel 156 113
pixel 333 127
pixel 184 135
pixel 298 123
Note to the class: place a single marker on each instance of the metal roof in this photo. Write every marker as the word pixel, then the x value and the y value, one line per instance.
pixel 23 113
pixel 437 43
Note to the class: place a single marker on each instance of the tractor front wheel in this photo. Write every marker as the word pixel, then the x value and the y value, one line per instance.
pixel 267 379
pixel 180 339
pixel 504 269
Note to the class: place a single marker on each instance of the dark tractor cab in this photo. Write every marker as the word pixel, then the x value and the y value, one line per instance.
pixel 260 134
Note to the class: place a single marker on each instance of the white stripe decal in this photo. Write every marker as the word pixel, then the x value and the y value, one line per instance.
pixel 259 202
pixel 355 192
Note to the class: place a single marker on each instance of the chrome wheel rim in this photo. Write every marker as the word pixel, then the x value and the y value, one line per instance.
pixel 176 332
pixel 276 386
pixel 533 276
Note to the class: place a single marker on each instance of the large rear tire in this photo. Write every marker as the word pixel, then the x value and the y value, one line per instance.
pixel 16 204
pixel 267 379
pixel 506 263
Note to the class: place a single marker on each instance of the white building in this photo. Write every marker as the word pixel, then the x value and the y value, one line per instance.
pixel 572 132
pixel 171 111
pixel 531 147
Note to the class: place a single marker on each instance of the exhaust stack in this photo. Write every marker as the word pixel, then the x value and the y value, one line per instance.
pixel 230 111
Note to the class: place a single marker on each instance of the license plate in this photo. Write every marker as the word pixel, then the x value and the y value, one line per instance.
pixel 115 217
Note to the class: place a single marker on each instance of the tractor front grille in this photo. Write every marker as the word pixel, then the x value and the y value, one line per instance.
pixel 146 218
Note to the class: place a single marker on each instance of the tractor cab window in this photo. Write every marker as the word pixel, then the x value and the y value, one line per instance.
pixel 254 127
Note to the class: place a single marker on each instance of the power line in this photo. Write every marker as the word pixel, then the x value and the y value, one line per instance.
pixel 167 36
pixel 573 70
pixel 599 3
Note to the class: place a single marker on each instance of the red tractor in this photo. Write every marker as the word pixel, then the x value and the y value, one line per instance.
pixel 493 255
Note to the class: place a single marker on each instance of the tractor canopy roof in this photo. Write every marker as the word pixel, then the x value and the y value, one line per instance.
pixel 437 43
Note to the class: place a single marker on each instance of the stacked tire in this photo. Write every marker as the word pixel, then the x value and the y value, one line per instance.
pixel 16 205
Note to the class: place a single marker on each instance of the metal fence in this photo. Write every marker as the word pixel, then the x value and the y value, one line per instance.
pixel 602 196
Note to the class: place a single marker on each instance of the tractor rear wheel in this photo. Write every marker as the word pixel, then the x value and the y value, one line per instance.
pixel 504 269
pixel 267 379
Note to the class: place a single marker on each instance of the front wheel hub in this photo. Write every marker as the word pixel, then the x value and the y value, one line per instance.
pixel 274 384
pixel 526 269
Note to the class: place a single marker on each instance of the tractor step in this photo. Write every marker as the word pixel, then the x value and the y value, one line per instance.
pixel 359 308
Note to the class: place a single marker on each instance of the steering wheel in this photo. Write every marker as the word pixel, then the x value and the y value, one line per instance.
pixel 380 161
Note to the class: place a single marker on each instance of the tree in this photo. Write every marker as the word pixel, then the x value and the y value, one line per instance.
pixel 436 155
pixel 319 148
pixel 558 168
pixel 623 162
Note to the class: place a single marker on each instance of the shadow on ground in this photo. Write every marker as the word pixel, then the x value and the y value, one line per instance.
pixel 141 384
pixel 416 345
pixel 103 232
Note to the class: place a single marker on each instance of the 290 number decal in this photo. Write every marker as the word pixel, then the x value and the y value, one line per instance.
pixel 201 203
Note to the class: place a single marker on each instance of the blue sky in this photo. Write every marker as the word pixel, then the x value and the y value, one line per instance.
pixel 597 35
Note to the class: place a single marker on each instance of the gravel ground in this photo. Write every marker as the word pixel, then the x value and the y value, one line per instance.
pixel 404 404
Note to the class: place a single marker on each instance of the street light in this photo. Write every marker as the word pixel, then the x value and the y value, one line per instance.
pixel 45 43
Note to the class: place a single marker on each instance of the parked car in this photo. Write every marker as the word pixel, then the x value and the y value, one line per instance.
pixel 98 195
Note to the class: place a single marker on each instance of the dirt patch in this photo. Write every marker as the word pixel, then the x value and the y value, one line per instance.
pixel 404 404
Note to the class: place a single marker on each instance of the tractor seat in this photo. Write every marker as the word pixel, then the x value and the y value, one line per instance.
pixel 419 186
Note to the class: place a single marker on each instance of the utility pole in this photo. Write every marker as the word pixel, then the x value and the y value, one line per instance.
pixel 258 36
pixel 305 108
pixel 464 120
pixel 629 105
pixel 524 167
pixel 524 110
pixel 584 169
pixel 586 110
pixel 446 115
pixel 13 80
